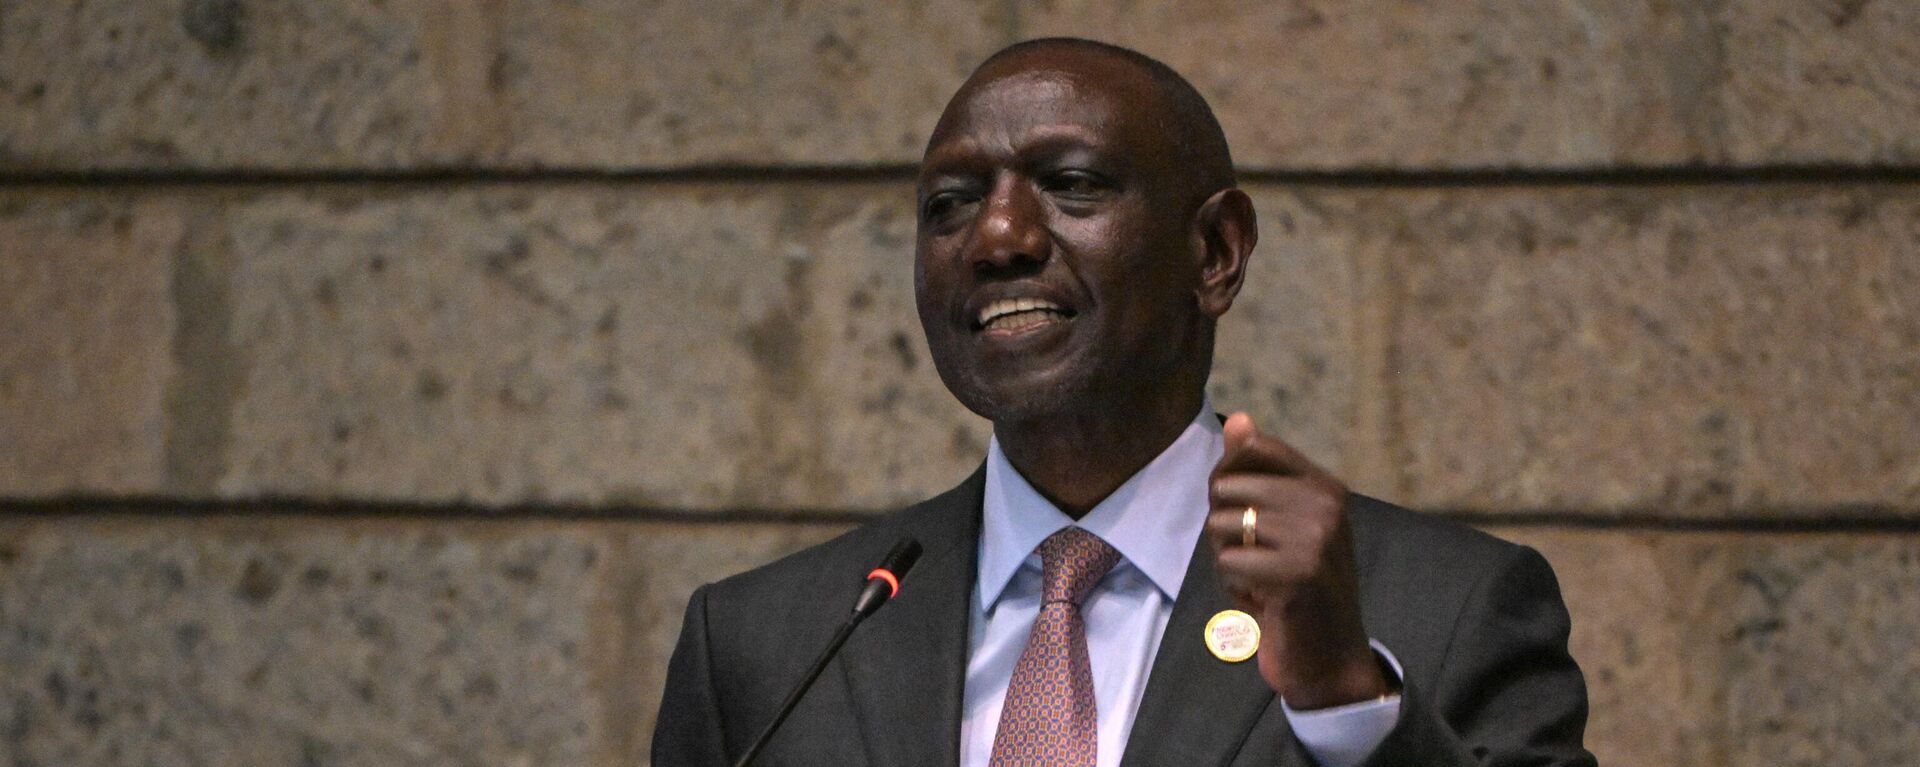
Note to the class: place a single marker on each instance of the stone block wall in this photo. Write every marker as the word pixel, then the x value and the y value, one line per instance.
pixel 378 378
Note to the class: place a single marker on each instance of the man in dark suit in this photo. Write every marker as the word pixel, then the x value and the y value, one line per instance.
pixel 1091 596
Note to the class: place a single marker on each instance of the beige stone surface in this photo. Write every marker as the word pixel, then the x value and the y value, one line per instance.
pixel 1484 83
pixel 318 643
pixel 354 84
pixel 1672 351
pixel 1824 657
pixel 223 84
pixel 1285 352
pixel 1821 82
pixel 227 84
pixel 1406 84
pixel 1729 649
pixel 86 331
pixel 689 346
pixel 598 84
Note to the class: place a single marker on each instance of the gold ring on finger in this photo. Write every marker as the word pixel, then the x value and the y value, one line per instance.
pixel 1249 525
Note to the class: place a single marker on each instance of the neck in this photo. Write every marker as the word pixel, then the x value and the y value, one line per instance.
pixel 1078 459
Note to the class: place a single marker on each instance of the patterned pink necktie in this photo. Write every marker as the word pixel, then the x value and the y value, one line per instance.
pixel 1049 719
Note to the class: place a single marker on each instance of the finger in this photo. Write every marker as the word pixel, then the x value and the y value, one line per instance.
pixel 1239 587
pixel 1238 429
pixel 1239 432
pixel 1225 528
pixel 1286 508
pixel 1248 449
pixel 1238 490
pixel 1259 570
pixel 1244 590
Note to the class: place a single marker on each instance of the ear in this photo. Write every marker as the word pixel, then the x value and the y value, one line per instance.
pixel 1224 235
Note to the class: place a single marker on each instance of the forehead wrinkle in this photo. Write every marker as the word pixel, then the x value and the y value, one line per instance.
pixel 1048 138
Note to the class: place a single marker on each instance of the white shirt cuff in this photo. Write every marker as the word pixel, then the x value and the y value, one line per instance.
pixel 1342 736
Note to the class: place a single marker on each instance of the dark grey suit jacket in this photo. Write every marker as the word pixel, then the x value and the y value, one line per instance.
pixel 1477 622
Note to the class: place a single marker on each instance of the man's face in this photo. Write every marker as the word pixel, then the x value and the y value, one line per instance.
pixel 1055 268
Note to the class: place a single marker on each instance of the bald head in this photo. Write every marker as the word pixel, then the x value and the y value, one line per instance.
pixel 1195 139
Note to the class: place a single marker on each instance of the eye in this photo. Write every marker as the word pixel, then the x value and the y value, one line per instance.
pixel 1077 185
pixel 941 206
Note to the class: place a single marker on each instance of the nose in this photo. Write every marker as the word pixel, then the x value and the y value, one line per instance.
pixel 1011 230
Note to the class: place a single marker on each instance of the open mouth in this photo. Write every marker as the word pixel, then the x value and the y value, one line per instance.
pixel 1009 314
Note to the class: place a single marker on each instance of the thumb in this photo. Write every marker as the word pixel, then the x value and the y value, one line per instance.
pixel 1239 431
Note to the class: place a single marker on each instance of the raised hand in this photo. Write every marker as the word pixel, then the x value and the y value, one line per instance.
pixel 1298 578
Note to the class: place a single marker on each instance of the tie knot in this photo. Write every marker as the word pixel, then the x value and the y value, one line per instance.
pixel 1072 562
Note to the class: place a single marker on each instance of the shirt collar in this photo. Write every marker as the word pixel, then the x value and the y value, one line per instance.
pixel 1152 519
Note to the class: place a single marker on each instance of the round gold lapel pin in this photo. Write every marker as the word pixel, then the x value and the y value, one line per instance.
pixel 1233 636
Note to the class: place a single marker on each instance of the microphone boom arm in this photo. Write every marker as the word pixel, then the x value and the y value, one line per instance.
pixel 882 584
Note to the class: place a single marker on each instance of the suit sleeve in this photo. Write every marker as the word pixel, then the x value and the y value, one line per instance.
pixel 1508 693
pixel 688 732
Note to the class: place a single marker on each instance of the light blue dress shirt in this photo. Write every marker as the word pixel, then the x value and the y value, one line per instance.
pixel 1153 519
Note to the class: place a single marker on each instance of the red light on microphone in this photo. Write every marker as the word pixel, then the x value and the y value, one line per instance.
pixel 891 571
pixel 884 574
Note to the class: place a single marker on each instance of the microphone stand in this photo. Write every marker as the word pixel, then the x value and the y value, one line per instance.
pixel 882 584
pixel 793 698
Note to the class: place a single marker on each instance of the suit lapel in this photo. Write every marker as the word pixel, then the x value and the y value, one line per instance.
pixel 906 666
pixel 1197 709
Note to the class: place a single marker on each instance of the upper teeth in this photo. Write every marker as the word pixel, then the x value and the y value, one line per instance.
pixel 1006 306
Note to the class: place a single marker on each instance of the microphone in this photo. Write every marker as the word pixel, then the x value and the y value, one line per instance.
pixel 883 583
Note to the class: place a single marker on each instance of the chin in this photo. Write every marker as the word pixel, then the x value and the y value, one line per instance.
pixel 1025 402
